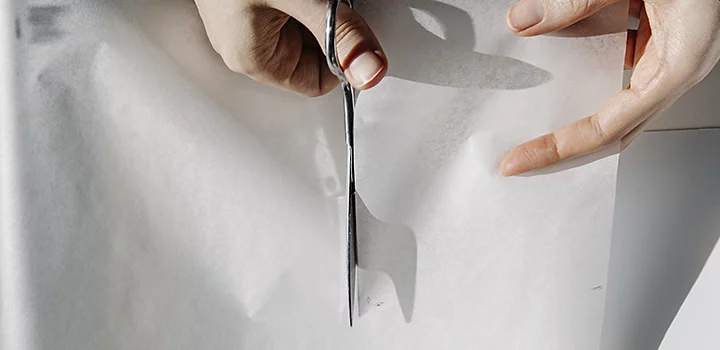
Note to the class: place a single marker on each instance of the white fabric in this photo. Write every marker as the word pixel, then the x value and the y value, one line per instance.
pixel 152 199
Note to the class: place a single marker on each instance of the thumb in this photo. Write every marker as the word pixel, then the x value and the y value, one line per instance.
pixel 361 57
pixel 534 17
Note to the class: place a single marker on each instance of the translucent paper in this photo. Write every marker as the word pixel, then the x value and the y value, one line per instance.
pixel 168 203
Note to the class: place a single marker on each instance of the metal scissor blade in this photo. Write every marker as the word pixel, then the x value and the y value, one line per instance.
pixel 349 104
pixel 352 261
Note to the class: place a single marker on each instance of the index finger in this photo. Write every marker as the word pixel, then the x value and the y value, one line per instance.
pixel 619 116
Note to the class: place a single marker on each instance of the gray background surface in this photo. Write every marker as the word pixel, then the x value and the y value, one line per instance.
pixel 667 219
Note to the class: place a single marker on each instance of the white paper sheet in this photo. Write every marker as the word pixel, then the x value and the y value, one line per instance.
pixel 168 203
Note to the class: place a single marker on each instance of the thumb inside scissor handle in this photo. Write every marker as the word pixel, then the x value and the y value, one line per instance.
pixel 330 39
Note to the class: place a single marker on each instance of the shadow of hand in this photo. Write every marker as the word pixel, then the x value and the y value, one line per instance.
pixel 419 55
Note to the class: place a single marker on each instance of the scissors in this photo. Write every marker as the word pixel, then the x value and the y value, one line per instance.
pixel 349 103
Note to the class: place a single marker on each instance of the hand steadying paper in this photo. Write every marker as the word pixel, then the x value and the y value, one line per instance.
pixel 674 48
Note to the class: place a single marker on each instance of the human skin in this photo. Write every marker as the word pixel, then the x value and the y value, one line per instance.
pixel 675 47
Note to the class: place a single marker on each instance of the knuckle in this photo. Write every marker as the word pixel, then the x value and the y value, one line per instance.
pixel 678 76
pixel 598 133
pixel 551 147
pixel 543 151
pixel 236 64
pixel 241 63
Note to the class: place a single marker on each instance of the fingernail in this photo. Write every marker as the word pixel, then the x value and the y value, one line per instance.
pixel 364 68
pixel 526 14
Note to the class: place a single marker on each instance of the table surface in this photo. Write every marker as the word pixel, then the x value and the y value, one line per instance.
pixel 667 221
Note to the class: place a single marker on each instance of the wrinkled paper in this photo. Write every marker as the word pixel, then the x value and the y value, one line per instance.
pixel 164 202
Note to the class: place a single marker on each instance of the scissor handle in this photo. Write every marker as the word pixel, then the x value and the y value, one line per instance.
pixel 330 39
